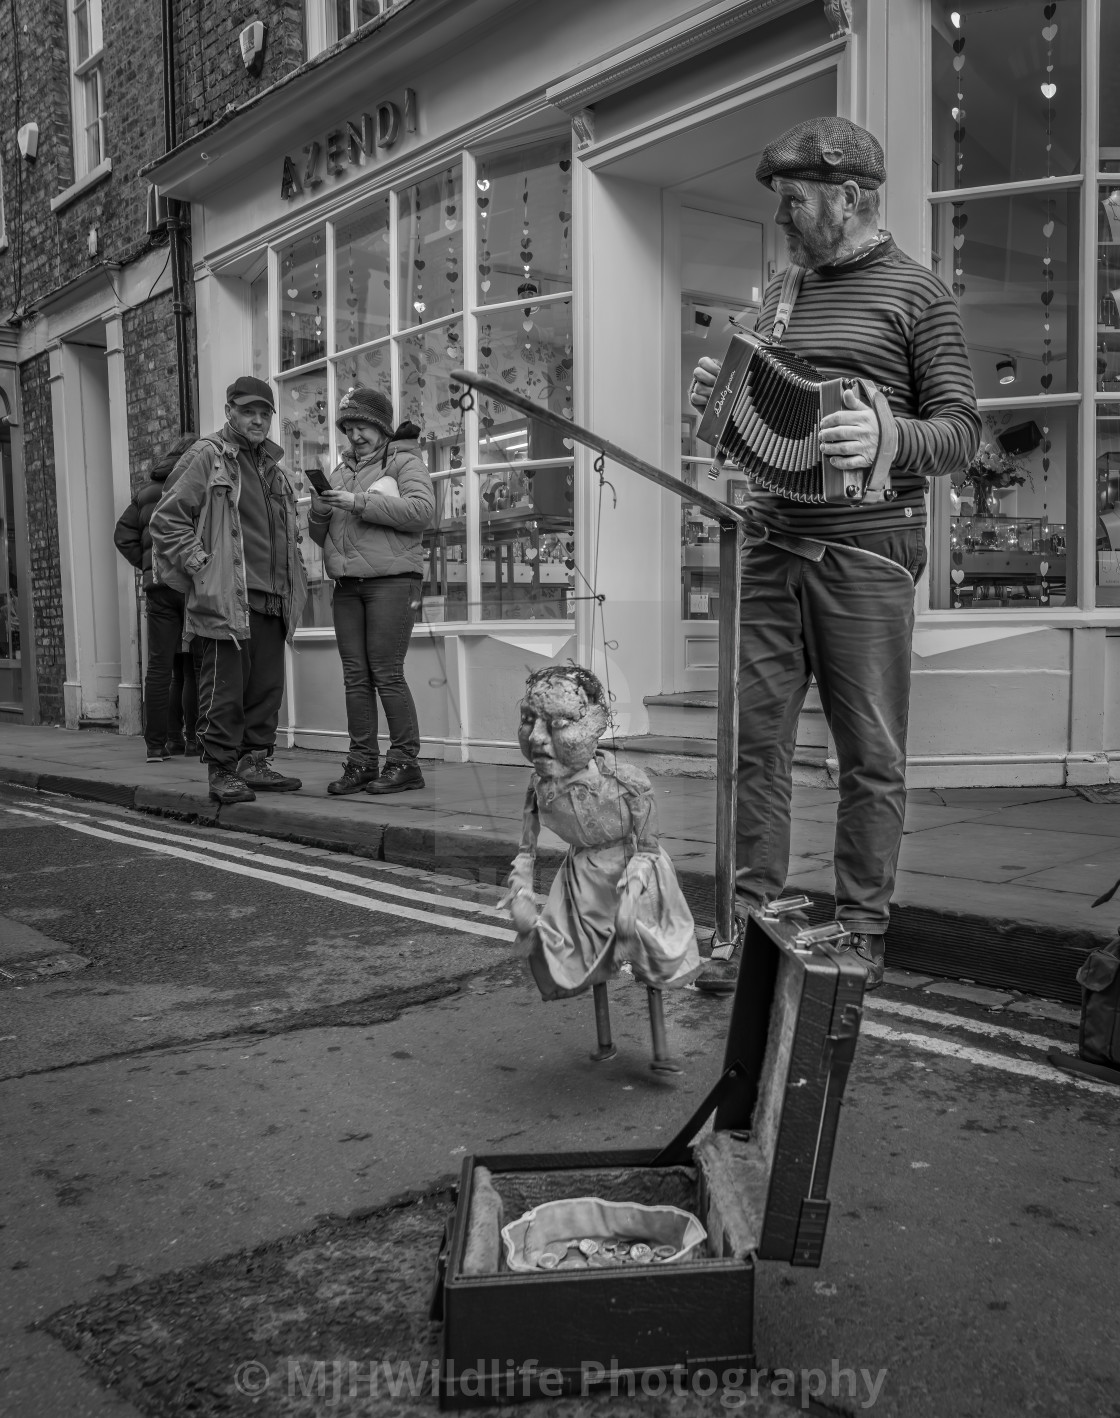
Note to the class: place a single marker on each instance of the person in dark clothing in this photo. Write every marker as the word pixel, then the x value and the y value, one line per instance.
pixel 225 533
pixel 170 684
pixel 828 590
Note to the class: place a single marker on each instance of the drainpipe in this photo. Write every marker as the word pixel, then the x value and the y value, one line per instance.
pixel 178 224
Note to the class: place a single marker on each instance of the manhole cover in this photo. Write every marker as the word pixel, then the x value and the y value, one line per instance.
pixel 43 967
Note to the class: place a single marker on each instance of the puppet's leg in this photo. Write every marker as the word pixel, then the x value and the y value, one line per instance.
pixel 606 1049
pixel 661 1061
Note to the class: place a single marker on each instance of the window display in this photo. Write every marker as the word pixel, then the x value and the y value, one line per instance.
pixel 389 311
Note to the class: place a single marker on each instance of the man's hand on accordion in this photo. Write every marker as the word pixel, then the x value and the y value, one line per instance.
pixel 851 437
pixel 704 378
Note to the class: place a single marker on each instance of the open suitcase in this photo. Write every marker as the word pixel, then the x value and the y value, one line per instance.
pixel 757 1181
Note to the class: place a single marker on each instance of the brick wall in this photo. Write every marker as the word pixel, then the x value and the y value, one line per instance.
pixel 210 74
pixel 151 385
pixel 42 528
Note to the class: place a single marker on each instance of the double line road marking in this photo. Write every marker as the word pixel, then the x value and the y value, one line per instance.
pixel 237 861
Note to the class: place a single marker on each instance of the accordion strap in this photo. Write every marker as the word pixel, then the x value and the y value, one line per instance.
pixel 787 298
pixel 878 484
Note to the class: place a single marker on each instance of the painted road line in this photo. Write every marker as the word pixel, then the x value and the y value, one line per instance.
pixel 311 888
pixel 951 1049
pixel 408 893
pixel 940 1020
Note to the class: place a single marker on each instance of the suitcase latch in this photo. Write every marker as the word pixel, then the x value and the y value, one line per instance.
pixel 831 934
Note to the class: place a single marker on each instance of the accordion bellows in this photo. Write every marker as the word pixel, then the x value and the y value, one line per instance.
pixel 764 416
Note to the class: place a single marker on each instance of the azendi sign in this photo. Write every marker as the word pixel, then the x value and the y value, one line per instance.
pixel 357 139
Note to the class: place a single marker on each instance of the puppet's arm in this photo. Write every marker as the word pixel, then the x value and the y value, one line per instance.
pixel 520 898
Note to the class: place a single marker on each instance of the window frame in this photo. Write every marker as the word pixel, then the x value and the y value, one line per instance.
pixel 320 23
pixel 470 313
pixel 85 75
pixel 1081 595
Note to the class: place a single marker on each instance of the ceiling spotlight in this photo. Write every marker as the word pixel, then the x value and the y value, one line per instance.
pixel 1007 368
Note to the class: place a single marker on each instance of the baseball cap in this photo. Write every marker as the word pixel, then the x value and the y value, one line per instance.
pixel 247 390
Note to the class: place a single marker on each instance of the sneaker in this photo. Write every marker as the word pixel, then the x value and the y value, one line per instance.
pixel 158 755
pixel 722 970
pixel 870 953
pixel 175 750
pixel 397 778
pixel 255 769
pixel 354 778
pixel 227 787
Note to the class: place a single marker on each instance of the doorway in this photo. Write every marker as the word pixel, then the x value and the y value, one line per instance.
pixel 87 515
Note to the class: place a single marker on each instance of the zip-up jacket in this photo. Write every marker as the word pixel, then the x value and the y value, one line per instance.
pixel 197 544
pixel 383 535
pixel 131 536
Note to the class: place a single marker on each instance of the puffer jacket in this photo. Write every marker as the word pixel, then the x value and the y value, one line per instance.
pixel 132 536
pixel 197 546
pixel 383 535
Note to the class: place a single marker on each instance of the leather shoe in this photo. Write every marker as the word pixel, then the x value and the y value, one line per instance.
pixel 397 778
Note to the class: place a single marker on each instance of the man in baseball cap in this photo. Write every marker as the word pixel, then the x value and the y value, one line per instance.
pixel 226 534
pixel 828 590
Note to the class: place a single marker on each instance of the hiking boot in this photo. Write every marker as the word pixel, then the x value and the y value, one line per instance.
pixel 869 951
pixel 158 755
pixel 722 970
pixel 227 787
pixel 354 778
pixel 255 769
pixel 397 778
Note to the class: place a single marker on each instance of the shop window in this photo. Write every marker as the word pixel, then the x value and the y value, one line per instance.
pixel 325 22
pixel 524 221
pixel 87 97
pixel 527 471
pixel 303 304
pixel 258 314
pixel 378 296
pixel 305 423
pixel 1012 518
pixel 430 248
pixel 361 280
pixel 998 57
pixel 1007 113
pixel 721 282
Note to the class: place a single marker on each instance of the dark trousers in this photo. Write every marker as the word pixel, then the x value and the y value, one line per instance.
pixel 240 686
pixel 373 620
pixel 848 621
pixel 170 686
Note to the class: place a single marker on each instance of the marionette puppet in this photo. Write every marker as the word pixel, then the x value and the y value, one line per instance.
pixel 616 897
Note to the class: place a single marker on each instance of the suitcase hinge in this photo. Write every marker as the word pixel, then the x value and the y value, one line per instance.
pixel 812 1223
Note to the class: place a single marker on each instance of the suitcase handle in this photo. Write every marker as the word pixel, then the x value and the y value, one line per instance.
pixel 435 1298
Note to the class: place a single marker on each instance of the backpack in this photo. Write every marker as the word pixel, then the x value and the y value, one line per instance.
pixel 1098 1044
pixel 1099 978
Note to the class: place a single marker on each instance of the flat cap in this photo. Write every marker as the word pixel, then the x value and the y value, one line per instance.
pixel 824 150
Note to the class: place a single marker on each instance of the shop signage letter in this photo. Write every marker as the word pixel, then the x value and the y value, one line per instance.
pixel 353 144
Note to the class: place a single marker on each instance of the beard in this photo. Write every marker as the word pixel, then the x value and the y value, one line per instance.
pixel 820 244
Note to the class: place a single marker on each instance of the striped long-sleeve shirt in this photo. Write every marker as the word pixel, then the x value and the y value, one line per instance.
pixel 886 318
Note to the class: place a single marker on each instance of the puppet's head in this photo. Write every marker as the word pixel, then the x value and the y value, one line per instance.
pixel 563 716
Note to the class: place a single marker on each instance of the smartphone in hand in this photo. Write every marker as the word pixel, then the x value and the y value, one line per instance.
pixel 318 480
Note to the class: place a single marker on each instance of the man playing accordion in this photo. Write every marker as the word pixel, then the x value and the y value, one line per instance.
pixel 828 589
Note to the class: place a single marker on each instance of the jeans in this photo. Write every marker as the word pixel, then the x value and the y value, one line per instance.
pixel 240 687
pixel 373 620
pixel 163 698
pixel 182 710
pixel 848 621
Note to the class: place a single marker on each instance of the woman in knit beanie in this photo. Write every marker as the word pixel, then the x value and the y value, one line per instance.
pixel 371 526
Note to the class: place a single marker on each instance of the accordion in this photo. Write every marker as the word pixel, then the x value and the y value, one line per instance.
pixel 763 417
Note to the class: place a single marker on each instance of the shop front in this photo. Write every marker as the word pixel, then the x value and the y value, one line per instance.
pixel 572 210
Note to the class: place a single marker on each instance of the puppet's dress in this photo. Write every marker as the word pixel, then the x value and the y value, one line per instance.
pixel 606 814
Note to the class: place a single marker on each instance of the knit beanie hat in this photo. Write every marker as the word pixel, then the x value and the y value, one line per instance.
pixel 368 406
